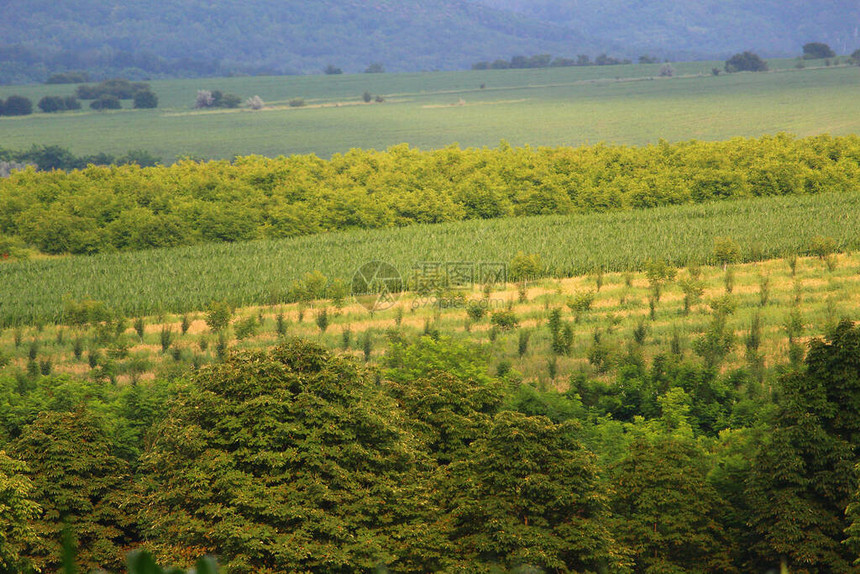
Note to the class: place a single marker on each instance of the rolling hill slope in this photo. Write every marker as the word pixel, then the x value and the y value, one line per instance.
pixel 212 37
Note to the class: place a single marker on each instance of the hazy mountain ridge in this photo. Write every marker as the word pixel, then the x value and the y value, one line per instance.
pixel 208 37
pixel 703 28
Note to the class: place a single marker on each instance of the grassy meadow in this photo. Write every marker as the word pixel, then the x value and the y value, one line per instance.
pixel 626 104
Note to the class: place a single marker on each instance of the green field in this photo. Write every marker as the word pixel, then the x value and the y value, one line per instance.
pixel 552 107
pixel 188 278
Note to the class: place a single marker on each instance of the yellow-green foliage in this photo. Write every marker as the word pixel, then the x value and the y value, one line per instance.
pixel 128 208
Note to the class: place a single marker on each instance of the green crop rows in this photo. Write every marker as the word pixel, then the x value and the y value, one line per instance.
pixel 184 279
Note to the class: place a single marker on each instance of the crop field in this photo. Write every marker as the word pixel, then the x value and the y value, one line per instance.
pixel 791 299
pixel 555 106
pixel 187 279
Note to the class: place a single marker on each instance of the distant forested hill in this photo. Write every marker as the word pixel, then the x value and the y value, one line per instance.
pixel 140 38
pixel 704 28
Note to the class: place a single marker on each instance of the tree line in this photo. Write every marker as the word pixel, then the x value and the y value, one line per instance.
pixel 300 459
pixel 99 209
pixel 106 95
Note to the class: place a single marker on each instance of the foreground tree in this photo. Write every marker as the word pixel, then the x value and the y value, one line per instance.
pixel 527 496
pixel 283 462
pixel 667 511
pixel 80 484
pixel 17 510
pixel 804 475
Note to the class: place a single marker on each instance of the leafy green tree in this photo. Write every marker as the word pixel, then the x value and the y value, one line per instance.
pixel 218 315
pixel 106 102
pixel 528 496
pixel 746 62
pixel 726 251
pixel 525 266
pixel 17 106
pixel 18 512
pixel 446 412
pixel 817 51
pixel 51 104
pixel 79 482
pixel 803 476
pixel 286 461
pixel 145 99
pixel 667 511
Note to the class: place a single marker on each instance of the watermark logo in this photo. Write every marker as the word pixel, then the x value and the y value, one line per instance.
pixel 377 285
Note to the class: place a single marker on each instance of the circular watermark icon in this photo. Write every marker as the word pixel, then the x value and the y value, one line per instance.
pixel 377 285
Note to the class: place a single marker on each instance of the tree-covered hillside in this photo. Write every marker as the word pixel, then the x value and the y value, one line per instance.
pixel 703 28
pixel 195 37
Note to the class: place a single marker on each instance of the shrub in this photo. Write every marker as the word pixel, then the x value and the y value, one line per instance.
pixel 504 320
pixel 525 266
pixel 476 310
pixel 296 102
pixel 726 251
pixel 247 327
pixel 255 103
pixel 580 303
pixel 218 315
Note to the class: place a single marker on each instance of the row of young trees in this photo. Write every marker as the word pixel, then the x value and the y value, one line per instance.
pixel 100 208
pixel 300 460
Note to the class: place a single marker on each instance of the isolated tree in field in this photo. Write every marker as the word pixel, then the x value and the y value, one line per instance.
pixel 17 106
pixel 746 62
pixel 332 70
pixel 666 71
pixel 817 51
pixel 726 251
pixel 855 57
pixel 286 461
pixel 218 315
pixel 255 103
pixel 51 104
pixel 525 266
pixel 204 99
pixel 145 99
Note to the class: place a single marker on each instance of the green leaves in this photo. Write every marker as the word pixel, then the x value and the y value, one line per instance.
pixel 141 562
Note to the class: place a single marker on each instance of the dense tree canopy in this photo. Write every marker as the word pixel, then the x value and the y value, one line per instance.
pixel 100 209
pixel 78 481
pixel 285 462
